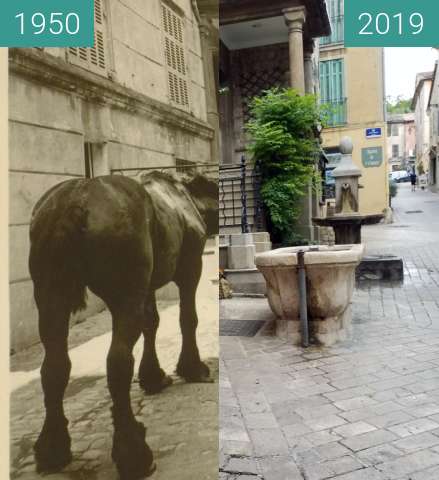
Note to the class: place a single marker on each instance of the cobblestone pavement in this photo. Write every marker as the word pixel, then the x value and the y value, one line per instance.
pixel 182 421
pixel 367 408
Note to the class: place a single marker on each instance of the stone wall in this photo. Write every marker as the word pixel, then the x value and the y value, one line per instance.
pixel 124 113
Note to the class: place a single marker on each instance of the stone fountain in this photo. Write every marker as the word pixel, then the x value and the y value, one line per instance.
pixel 330 279
pixel 318 306
pixel 346 219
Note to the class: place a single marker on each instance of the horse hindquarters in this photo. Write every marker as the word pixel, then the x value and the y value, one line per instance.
pixel 58 290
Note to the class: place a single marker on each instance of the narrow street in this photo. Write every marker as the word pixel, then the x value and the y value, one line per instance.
pixel 367 408
pixel 182 421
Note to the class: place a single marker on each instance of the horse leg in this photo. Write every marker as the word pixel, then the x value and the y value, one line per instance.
pixel 151 377
pixel 189 366
pixel 52 449
pixel 130 452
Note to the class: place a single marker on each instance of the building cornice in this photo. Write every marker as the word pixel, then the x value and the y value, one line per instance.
pixel 56 73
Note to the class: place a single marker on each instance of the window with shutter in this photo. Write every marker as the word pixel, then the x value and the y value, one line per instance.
pixel 332 90
pixel 95 58
pixel 175 56
pixel 336 17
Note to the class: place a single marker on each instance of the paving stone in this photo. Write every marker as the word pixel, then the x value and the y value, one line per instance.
pixel 331 468
pixel 280 468
pixel 260 420
pixel 353 429
pixel 428 474
pixel 389 419
pixel 417 442
pixel 355 403
pixel 269 441
pixel 413 427
pixel 324 423
pixel 381 453
pixel 364 474
pixel 409 463
pixel 368 440
pixel 242 465
pixel 323 437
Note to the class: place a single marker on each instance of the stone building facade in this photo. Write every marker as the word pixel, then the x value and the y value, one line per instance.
pixel 401 141
pixel 144 96
pixel 352 85
pixel 424 82
pixel 433 113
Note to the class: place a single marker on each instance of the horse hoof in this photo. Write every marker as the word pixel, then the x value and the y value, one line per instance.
pixel 152 388
pixel 131 454
pixel 198 373
pixel 52 452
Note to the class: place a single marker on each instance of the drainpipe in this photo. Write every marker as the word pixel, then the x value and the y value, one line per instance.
pixel 303 298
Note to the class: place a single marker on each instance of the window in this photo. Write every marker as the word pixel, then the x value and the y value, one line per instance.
pixel 395 129
pixel 173 32
pixel 95 58
pixel 336 17
pixel 395 151
pixel 332 91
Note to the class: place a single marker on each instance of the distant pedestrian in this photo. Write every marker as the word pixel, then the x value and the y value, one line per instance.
pixel 413 179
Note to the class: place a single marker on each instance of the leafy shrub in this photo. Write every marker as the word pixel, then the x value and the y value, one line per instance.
pixel 284 142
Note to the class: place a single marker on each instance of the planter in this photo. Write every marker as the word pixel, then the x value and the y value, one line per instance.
pixel 330 275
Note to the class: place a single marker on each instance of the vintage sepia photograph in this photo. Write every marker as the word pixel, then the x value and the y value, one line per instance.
pixel 113 234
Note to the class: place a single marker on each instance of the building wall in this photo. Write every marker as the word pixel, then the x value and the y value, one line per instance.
pixel 433 113
pixel 405 138
pixel 363 72
pixel 422 121
pixel 125 111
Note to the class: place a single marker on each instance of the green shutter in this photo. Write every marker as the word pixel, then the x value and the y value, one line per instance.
pixel 332 80
pixel 335 13
pixel 332 89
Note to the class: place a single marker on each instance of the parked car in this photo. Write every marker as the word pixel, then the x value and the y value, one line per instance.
pixel 400 176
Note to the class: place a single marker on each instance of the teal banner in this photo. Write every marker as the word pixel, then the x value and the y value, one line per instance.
pixel 47 23
pixel 391 23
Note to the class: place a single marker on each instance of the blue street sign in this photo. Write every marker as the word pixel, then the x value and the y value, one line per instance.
pixel 373 132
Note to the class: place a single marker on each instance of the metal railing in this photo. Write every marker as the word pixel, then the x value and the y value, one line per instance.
pixel 233 196
pixel 336 113
pixel 337 29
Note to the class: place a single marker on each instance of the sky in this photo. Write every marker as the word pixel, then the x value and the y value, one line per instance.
pixel 402 65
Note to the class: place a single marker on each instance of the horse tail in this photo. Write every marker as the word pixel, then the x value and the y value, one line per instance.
pixel 56 254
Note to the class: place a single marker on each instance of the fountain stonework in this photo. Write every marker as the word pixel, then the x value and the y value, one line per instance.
pixel 330 270
pixel 347 220
pixel 330 273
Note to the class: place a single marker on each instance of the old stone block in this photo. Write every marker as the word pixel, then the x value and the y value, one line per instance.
pixel 241 257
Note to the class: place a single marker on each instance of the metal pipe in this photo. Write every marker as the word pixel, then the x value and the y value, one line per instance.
pixel 244 220
pixel 303 298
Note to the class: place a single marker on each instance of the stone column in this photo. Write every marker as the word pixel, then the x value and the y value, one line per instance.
pixel 309 67
pixel 209 46
pixel 295 19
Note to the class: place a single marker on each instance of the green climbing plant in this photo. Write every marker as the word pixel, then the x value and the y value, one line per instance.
pixel 284 142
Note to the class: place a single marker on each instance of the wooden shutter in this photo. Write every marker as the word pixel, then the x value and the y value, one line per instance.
pixel 332 90
pixel 332 80
pixel 173 30
pixel 94 58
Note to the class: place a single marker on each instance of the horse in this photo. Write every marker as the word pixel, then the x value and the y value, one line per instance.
pixel 123 239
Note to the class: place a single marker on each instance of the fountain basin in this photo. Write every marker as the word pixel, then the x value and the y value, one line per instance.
pixel 330 272
pixel 347 228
